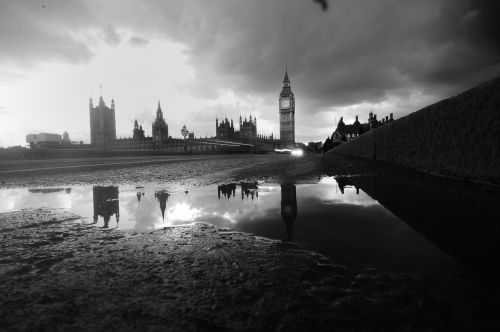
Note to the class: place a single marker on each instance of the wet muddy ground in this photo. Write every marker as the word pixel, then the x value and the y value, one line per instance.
pixel 174 174
pixel 57 272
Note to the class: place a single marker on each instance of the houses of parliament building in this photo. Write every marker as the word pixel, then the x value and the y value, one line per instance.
pixel 103 135
pixel 247 133
pixel 103 131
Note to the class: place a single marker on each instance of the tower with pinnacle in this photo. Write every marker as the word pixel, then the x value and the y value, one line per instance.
pixel 160 127
pixel 287 114
pixel 102 123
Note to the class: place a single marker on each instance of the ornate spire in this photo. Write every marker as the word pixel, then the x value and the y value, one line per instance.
pixel 101 101
pixel 286 79
pixel 159 113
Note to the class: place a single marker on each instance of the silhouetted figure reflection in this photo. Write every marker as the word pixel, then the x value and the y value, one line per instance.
pixel 162 197
pixel 249 189
pixel 227 190
pixel 106 204
pixel 288 207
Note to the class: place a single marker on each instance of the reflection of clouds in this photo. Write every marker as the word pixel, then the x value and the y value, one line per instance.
pixel 203 205
pixel 350 197
pixel 143 214
pixel 15 199
pixel 182 213
pixel 229 217
pixel 8 199
pixel 268 188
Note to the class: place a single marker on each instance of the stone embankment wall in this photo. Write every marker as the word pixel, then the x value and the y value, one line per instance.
pixel 458 137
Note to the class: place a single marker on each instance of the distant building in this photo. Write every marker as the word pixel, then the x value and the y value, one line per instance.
pixel 65 138
pixel 287 114
pixel 226 130
pixel 103 135
pixel 138 131
pixel 248 129
pixel 314 147
pixel 160 127
pixel 184 131
pixel 44 140
pixel 346 132
pixel 102 123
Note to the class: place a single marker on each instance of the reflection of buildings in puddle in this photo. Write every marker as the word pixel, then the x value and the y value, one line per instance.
pixel 249 189
pixel 106 204
pixel 345 182
pixel 227 190
pixel 162 197
pixel 140 193
pixel 50 190
pixel 288 207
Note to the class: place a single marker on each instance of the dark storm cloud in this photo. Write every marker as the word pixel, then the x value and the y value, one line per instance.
pixel 138 41
pixel 111 36
pixel 36 31
pixel 356 51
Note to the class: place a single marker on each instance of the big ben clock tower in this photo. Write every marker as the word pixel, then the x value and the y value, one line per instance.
pixel 287 114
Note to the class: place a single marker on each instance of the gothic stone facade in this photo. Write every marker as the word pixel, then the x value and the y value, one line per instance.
pixel 287 114
pixel 346 132
pixel 226 130
pixel 102 123
pixel 138 131
pixel 160 127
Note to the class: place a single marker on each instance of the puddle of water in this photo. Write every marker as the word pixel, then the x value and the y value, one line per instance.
pixel 333 217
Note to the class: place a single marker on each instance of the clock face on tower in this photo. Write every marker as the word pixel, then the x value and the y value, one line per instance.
pixel 284 103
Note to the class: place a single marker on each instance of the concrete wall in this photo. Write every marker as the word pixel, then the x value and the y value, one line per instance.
pixel 459 136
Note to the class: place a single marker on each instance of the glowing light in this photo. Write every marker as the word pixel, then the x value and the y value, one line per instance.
pixel 297 152
pixel 287 151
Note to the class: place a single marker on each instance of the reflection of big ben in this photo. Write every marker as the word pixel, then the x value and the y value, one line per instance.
pixel 288 207
pixel 106 203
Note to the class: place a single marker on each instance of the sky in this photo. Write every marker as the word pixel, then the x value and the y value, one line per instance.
pixel 225 58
